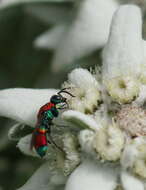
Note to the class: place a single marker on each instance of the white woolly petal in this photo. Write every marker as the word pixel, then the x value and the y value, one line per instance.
pixel 44 179
pixel 91 175
pixel 50 39
pixel 88 32
pixel 80 119
pixel 123 54
pixel 24 145
pixel 23 104
pixel 130 182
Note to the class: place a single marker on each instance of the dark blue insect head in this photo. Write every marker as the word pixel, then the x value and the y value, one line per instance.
pixel 57 99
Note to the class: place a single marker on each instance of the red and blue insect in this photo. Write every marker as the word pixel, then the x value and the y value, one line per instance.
pixel 42 133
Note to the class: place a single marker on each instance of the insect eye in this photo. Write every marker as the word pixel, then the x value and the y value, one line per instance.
pixel 56 99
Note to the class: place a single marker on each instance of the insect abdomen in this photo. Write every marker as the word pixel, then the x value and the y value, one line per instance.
pixel 42 150
pixel 40 143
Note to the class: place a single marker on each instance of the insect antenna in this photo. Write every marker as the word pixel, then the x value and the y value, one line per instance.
pixel 64 91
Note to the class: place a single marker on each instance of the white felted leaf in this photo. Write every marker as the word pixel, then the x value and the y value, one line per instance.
pixel 123 54
pixel 44 179
pixel 23 104
pixel 91 175
pixel 24 145
pixel 50 39
pixel 88 32
pixel 80 120
pixel 130 182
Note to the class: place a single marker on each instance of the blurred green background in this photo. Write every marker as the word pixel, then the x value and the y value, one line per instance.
pixel 21 65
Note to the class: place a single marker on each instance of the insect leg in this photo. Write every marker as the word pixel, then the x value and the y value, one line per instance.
pixel 48 141
pixel 63 106
pixel 51 139
pixel 64 91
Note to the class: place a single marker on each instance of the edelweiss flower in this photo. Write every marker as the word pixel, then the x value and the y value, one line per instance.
pixel 103 143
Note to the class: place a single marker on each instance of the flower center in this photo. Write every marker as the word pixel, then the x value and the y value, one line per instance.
pixel 132 119
pixel 122 84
